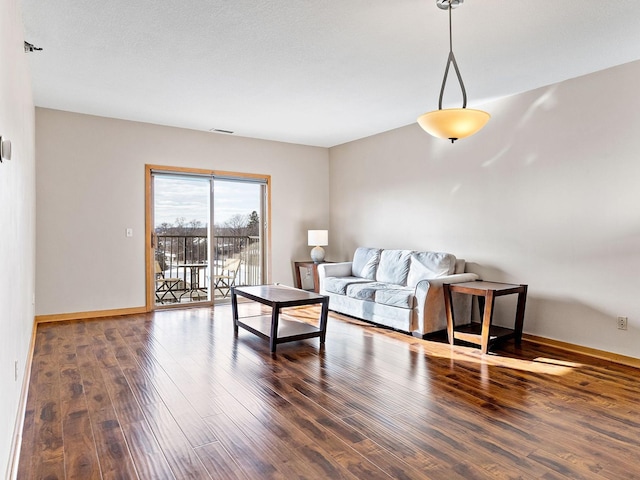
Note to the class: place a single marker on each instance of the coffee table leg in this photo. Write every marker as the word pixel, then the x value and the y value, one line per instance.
pixel 275 315
pixel 234 310
pixel 323 319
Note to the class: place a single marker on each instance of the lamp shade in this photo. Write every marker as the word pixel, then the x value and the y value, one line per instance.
pixel 453 123
pixel 318 238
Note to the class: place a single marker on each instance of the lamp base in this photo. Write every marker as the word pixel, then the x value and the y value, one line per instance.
pixel 317 254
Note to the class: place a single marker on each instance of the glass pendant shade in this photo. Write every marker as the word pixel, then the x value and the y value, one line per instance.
pixel 453 123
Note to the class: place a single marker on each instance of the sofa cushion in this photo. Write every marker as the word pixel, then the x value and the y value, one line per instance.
pixel 339 284
pixel 396 296
pixel 365 291
pixel 428 265
pixel 365 262
pixel 394 267
pixel 383 293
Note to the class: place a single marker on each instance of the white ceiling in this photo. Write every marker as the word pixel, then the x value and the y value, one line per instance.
pixel 314 72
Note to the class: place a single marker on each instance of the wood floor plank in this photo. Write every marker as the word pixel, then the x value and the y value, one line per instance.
pixel 219 463
pixel 80 455
pixel 146 453
pixel 81 458
pixel 178 451
pixel 47 424
pixel 253 458
pixel 113 453
pixel 122 397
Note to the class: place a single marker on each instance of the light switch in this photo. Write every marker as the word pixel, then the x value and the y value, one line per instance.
pixel 129 232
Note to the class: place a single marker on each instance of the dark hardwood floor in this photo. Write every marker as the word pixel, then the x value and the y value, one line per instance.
pixel 175 395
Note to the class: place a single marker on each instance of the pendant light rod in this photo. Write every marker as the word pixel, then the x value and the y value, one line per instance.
pixel 452 60
pixel 452 123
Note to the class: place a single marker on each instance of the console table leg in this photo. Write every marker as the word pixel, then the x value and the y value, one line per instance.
pixel 486 321
pixel 522 300
pixel 449 312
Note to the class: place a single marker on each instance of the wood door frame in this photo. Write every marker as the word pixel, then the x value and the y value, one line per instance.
pixel 149 255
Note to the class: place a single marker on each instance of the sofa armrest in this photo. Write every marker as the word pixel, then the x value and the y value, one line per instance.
pixel 342 269
pixel 454 278
pixel 430 311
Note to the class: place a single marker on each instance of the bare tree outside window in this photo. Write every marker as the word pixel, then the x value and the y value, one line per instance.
pixel 240 226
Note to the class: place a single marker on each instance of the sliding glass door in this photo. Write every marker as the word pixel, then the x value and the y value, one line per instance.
pixel 207 234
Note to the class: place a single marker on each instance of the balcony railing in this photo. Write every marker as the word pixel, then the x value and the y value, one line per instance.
pixel 185 257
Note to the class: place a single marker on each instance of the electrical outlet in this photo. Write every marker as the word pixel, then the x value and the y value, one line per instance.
pixel 622 323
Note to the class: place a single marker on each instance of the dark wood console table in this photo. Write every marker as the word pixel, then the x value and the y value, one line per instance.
pixel 484 334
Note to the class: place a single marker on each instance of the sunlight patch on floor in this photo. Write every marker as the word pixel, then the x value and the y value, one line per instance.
pixel 469 354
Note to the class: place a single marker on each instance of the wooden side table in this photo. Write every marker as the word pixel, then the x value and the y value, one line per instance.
pixel 314 267
pixel 484 334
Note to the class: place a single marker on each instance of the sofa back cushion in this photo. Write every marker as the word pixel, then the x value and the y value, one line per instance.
pixel 394 267
pixel 365 262
pixel 428 265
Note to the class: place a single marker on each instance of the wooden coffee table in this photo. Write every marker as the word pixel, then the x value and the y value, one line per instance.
pixel 484 334
pixel 272 327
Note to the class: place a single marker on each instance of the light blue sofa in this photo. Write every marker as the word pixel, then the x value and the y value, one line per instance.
pixel 401 289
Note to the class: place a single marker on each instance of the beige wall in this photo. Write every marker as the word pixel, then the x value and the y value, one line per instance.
pixel 91 188
pixel 547 194
pixel 17 221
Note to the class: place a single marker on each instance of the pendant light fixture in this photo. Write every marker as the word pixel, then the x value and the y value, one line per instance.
pixel 452 123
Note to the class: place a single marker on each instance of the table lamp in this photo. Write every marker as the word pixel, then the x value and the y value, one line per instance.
pixel 318 239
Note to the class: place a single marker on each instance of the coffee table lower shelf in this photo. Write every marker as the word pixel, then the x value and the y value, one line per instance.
pixel 472 333
pixel 288 330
